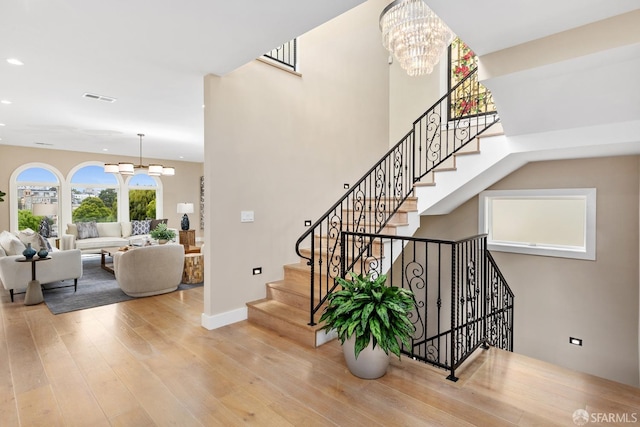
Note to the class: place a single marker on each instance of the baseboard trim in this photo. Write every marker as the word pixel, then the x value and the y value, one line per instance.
pixel 223 319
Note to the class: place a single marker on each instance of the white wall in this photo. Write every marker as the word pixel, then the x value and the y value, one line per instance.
pixel 282 146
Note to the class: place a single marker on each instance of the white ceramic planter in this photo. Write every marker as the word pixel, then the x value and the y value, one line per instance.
pixel 370 364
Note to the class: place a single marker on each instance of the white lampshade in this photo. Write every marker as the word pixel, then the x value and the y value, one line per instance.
pixel 45 209
pixel 168 171
pixel 155 170
pixel 185 208
pixel 125 168
pixel 111 168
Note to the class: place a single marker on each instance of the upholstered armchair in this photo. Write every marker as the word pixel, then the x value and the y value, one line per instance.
pixel 149 270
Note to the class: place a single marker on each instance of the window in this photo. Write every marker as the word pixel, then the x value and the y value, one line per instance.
pixel 35 185
pixel 469 99
pixel 558 222
pixel 142 197
pixel 94 195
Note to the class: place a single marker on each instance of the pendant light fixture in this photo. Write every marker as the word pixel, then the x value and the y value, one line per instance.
pixel 128 168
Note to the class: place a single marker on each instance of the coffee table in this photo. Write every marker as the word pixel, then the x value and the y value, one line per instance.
pixel 105 252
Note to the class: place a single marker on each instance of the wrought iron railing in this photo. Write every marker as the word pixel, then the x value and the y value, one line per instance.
pixel 286 54
pixel 462 299
pixel 369 205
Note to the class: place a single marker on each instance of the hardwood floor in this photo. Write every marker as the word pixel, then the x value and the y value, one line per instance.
pixel 149 362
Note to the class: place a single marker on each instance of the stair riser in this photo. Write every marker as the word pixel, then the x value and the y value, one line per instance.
pixel 293 299
pixel 284 328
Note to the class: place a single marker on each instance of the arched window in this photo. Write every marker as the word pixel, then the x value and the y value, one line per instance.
pixel 469 99
pixel 94 195
pixel 145 197
pixel 33 186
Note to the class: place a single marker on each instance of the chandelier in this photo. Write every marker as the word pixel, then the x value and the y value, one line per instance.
pixel 415 35
pixel 128 168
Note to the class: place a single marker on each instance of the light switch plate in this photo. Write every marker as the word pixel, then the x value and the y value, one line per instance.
pixel 246 216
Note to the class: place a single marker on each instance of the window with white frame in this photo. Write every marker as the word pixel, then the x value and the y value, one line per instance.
pixel 548 222
pixel 35 186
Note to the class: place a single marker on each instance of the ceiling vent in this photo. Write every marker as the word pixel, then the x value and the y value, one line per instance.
pixel 99 97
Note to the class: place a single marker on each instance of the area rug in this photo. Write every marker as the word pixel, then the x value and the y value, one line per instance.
pixel 97 287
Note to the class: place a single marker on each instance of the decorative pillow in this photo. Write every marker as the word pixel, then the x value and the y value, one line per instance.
pixel 29 236
pixel 11 244
pixel 126 229
pixel 73 230
pixel 140 227
pixel 109 229
pixel 155 222
pixel 87 230
pixel 2 252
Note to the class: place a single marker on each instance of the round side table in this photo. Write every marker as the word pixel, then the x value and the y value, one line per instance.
pixel 34 291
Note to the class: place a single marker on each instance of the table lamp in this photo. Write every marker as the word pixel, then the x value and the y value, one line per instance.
pixel 185 208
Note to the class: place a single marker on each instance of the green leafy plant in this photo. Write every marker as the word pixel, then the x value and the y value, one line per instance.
pixel 161 232
pixel 2 194
pixel 369 309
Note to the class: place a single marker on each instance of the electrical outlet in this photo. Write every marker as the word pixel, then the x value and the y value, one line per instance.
pixel 257 270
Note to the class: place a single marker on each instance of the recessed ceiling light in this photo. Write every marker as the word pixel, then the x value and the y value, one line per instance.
pixel 5 101
pixel 105 149
pixel 182 157
pixel 14 61
pixel 1 124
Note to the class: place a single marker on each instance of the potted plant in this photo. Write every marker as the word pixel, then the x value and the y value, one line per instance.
pixel 370 320
pixel 162 234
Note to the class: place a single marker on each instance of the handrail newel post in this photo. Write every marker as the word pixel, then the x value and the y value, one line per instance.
pixel 486 287
pixel 454 317
pixel 312 264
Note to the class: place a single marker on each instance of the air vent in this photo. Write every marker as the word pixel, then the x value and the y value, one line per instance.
pixel 99 97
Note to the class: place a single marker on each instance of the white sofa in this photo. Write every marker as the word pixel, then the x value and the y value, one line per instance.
pixel 150 270
pixel 109 234
pixel 15 276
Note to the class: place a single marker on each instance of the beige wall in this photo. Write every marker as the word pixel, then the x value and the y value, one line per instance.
pixel 183 187
pixel 556 297
pixel 410 97
pixel 282 146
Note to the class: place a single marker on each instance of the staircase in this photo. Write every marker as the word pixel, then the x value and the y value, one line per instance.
pixel 381 202
pixel 286 306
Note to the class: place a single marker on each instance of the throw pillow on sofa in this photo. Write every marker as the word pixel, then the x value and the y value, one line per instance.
pixel 29 236
pixel 140 227
pixel 11 244
pixel 87 230
pixel 109 229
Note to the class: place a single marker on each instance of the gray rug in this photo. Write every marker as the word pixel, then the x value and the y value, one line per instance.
pixel 97 287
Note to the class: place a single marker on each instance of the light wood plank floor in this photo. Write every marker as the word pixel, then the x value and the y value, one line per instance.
pixel 148 362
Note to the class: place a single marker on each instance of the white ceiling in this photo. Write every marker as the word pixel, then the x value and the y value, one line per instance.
pixel 152 56
pixel 149 55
